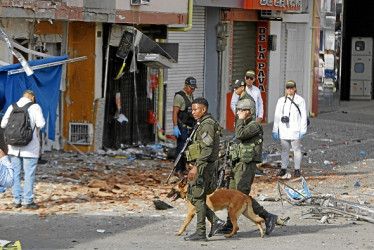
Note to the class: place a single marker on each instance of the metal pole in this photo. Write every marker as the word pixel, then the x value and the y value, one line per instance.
pixel 48 65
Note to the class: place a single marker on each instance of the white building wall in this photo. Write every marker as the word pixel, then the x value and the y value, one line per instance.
pixel 300 34
pixel 273 92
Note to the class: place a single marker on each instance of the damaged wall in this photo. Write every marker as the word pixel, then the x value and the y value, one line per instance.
pixel 78 98
pixel 173 12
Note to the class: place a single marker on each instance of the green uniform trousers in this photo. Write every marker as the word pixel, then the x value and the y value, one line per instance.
pixel 198 189
pixel 241 178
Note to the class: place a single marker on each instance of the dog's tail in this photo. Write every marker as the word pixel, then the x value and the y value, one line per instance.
pixel 250 214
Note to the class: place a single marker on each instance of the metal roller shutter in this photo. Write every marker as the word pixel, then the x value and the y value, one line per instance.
pixel 191 60
pixel 244 48
pixel 293 55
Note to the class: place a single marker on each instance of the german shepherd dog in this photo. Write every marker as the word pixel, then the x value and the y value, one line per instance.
pixel 235 201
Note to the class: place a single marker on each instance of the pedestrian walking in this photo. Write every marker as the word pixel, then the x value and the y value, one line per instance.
pixel 254 92
pixel 245 155
pixel 290 125
pixel 26 156
pixel 183 121
pixel 202 173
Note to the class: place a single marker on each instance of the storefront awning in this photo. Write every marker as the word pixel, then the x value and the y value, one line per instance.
pixel 147 51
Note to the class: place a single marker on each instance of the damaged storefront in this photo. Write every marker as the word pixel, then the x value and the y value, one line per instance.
pixel 96 108
pixel 131 99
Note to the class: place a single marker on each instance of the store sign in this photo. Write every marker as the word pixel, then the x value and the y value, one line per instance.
pixel 262 59
pixel 262 55
pixel 281 5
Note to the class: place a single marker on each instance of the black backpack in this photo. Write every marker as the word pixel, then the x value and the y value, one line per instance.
pixel 18 131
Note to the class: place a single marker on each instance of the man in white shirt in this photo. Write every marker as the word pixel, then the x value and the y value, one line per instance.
pixel 250 78
pixel 25 156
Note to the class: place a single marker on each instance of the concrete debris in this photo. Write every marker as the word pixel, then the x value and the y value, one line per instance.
pixel 324 220
pixel 131 179
pixel 324 203
pixel 161 205
pixel 263 197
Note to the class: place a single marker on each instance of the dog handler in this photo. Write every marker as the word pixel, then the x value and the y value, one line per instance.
pixel 202 175
pixel 246 154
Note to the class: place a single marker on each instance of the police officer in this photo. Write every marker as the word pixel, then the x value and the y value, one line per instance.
pixel 252 90
pixel 241 94
pixel 247 154
pixel 239 89
pixel 202 174
pixel 183 121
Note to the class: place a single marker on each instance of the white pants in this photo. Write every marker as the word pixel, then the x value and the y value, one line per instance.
pixel 296 146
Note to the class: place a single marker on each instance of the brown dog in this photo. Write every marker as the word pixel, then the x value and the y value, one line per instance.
pixel 235 201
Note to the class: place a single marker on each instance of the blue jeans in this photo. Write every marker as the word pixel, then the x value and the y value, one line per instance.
pixel 181 140
pixel 29 166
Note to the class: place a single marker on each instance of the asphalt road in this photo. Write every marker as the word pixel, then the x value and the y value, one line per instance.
pixel 338 137
pixel 155 230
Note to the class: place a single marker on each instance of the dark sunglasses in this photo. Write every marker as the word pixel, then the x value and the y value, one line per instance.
pixel 248 77
pixel 289 87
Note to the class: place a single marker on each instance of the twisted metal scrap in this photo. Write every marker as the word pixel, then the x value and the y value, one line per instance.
pixel 18 55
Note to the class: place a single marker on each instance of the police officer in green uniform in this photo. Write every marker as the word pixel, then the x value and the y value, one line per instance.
pixel 246 154
pixel 202 175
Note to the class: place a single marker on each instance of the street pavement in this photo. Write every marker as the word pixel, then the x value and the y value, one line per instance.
pixel 338 160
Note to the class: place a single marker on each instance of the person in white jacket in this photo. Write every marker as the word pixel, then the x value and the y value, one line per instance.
pixel 290 125
pixel 25 156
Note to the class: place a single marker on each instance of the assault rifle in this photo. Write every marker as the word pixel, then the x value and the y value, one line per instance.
pixel 180 155
pixel 221 172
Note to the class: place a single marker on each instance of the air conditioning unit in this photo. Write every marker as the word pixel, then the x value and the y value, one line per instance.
pixel 80 133
pixel 270 14
pixel 140 2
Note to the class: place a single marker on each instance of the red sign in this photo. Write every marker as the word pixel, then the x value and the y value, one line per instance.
pixel 262 59
pixel 282 5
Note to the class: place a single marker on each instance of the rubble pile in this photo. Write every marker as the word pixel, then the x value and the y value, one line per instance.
pixel 131 181
pixel 73 183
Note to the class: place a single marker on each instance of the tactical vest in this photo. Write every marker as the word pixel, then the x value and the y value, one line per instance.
pixel 250 149
pixel 257 142
pixel 194 150
pixel 185 116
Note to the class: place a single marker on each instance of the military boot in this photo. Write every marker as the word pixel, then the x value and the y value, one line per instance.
pixel 196 237
pixel 270 221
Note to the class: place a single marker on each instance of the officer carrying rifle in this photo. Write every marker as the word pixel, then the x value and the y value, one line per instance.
pixel 203 155
pixel 227 163
pixel 182 152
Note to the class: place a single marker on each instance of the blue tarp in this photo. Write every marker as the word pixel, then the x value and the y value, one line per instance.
pixel 44 82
